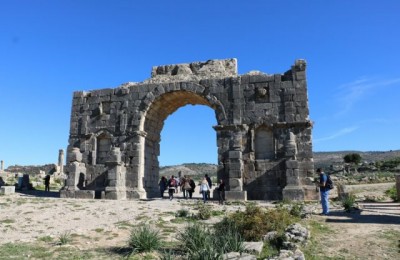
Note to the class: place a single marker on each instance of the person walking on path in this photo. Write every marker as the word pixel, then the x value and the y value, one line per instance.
pixel 209 185
pixel 47 183
pixel 204 189
pixel 186 188
pixel 192 186
pixel 182 185
pixel 163 185
pixel 324 191
pixel 172 184
pixel 221 191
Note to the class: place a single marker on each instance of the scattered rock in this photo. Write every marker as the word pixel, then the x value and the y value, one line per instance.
pixel 255 247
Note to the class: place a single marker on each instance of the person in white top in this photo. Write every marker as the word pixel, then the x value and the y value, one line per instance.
pixel 204 188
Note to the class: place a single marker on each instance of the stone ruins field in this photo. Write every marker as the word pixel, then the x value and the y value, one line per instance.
pixel 99 227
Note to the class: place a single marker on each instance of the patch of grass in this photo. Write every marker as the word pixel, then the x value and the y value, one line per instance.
pixel 315 248
pixel 202 242
pixel 392 193
pixel 99 230
pixel 46 239
pixel 123 224
pixel 141 217
pixel 393 236
pixel 64 238
pixel 144 239
pixel 7 221
pixel 24 251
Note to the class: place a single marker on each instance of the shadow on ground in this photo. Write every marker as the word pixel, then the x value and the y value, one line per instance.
pixel 39 193
pixel 379 213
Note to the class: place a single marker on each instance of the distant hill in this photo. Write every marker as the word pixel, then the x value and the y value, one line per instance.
pixel 321 159
pixel 189 169
pixel 325 159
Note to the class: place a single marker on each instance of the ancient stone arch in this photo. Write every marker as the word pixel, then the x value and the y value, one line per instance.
pixel 263 131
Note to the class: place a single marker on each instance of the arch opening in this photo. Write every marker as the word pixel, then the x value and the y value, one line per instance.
pixel 155 118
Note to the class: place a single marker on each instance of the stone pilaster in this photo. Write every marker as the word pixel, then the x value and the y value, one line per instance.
pixel 293 190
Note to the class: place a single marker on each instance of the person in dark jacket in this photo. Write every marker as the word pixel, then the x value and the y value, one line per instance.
pixel 324 191
pixel 193 187
pixel 221 191
pixel 209 185
pixel 163 185
pixel 47 183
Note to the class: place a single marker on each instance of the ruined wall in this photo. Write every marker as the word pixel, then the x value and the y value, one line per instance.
pixel 263 132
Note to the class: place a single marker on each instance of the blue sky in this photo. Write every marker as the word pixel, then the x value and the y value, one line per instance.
pixel 48 49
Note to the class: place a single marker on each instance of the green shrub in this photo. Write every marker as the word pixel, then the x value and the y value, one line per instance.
pixel 296 210
pixel 255 221
pixel 182 213
pixel 348 202
pixel 227 236
pixel 392 193
pixel 201 242
pixel 204 211
pixel 64 238
pixel 144 239
pixel 198 242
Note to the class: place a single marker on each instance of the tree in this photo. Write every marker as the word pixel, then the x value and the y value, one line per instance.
pixel 352 159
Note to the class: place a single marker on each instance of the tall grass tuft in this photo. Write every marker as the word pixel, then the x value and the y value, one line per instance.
pixel 202 242
pixel 144 239
pixel 64 238
pixel 348 202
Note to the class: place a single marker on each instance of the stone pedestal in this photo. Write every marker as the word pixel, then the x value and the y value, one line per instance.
pixel 236 195
pixel 292 190
pixel 5 190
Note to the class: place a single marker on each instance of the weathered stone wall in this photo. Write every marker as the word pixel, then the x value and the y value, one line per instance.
pixel 263 132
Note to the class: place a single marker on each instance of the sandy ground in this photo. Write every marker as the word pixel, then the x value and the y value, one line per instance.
pixel 360 234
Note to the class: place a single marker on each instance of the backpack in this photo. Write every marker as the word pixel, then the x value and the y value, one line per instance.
pixel 172 183
pixel 329 182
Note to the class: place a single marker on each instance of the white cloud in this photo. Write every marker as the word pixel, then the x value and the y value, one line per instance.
pixel 339 133
pixel 350 93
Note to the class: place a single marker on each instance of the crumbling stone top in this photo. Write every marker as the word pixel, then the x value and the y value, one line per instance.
pixel 193 71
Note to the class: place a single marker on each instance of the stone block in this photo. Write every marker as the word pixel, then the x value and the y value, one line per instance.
pixel 6 190
pixel 292 164
pixel 235 155
pixel 236 195
pixel 70 194
pixel 293 193
pixel 255 247
pixel 84 194
pixel 235 173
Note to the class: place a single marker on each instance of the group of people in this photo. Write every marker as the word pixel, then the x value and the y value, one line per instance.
pixel 188 186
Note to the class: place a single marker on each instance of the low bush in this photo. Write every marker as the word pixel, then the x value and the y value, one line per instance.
pixel 204 212
pixel 392 193
pixel 348 202
pixel 182 213
pixel 255 222
pixel 144 239
pixel 202 242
